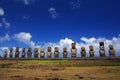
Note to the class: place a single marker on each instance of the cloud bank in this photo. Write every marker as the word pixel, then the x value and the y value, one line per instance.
pixel 26 38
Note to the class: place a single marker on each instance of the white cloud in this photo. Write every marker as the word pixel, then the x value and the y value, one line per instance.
pixel 1 12
pixel 53 12
pixel 25 38
pixel 5 38
pixel 66 42
pixel 5 23
pixel 119 34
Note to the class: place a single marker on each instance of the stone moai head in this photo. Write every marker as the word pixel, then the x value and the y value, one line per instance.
pixel 56 52
pixel 73 45
pixel 49 52
pixel 111 51
pixel 73 50
pixel 91 51
pixel 65 52
pixel 29 52
pixel 5 53
pixel 42 53
pixel 17 52
pixel 23 52
pixel 102 50
pixel 36 52
pixel 11 52
pixel 83 51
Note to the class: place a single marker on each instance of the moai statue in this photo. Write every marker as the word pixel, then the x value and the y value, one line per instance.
pixel 83 52
pixel 23 52
pixel 29 52
pixel 91 51
pixel 5 53
pixel 73 50
pixel 111 51
pixel 49 52
pixel 11 52
pixel 65 52
pixel 17 52
pixel 56 52
pixel 36 53
pixel 42 53
pixel 102 50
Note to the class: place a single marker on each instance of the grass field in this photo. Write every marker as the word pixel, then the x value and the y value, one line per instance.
pixel 59 70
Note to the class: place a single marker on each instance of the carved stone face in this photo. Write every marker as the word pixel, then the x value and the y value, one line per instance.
pixel 5 51
pixel 64 49
pixel 56 49
pixel 23 49
pixel 36 49
pixel 29 49
pixel 111 46
pixel 42 49
pixel 73 45
pixel 91 48
pixel 11 49
pixel 17 49
pixel 101 45
pixel 49 49
pixel 82 48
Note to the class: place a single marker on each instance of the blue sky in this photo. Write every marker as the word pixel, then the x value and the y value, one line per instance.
pixel 40 22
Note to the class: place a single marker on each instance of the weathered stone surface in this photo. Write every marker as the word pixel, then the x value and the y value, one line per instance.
pixel 111 51
pixel 11 52
pixel 65 52
pixel 56 52
pixel 49 52
pixel 5 53
pixel 29 52
pixel 36 53
pixel 17 52
pixel 102 50
pixel 83 51
pixel 73 50
pixel 23 52
pixel 42 53
pixel 91 51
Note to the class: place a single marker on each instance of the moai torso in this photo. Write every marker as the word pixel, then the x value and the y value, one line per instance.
pixel 23 52
pixel 111 51
pixel 42 53
pixel 11 52
pixel 65 52
pixel 49 52
pixel 102 50
pixel 73 50
pixel 83 52
pixel 17 52
pixel 36 53
pixel 56 52
pixel 29 52
pixel 91 51
pixel 5 53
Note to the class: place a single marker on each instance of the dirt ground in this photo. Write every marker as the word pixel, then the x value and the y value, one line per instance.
pixel 20 70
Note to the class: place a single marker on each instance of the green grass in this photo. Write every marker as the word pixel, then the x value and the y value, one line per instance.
pixel 44 61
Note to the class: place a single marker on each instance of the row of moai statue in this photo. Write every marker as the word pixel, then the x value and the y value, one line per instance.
pixel 65 52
